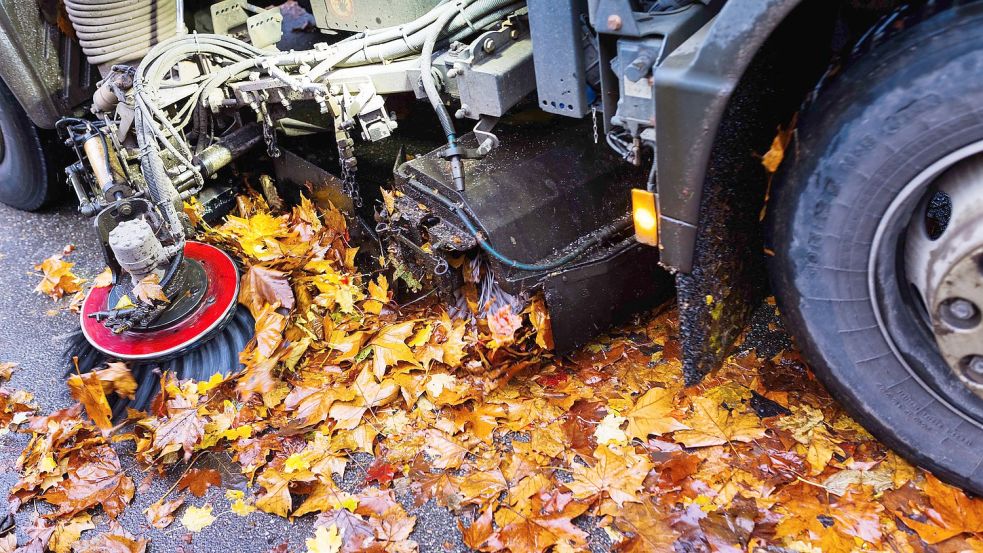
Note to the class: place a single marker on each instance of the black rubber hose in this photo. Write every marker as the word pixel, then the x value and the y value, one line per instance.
pixel 430 86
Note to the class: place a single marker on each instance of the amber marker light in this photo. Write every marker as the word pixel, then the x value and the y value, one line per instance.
pixel 645 216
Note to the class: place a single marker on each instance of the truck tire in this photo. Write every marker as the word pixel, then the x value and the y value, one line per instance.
pixel 859 188
pixel 24 176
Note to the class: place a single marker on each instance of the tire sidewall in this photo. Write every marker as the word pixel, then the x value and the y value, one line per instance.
pixel 886 121
pixel 24 178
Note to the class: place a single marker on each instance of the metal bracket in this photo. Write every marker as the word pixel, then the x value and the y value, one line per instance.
pixel 370 110
pixel 262 29
pixel 487 141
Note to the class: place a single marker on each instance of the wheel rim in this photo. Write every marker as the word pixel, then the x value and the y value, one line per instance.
pixel 925 279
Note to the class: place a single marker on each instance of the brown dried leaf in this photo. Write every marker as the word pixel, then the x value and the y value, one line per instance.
pixel 148 290
pixel 160 515
pixel 197 481
pixel 262 286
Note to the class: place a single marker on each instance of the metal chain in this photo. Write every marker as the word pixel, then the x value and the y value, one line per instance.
pixel 269 133
pixel 593 116
pixel 348 162
pixel 346 148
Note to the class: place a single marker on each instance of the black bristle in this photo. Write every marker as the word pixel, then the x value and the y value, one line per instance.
pixel 220 354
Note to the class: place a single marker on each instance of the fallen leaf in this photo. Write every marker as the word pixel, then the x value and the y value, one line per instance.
pixel 160 515
pixel 87 390
pixel 197 518
pixel 262 286
pixel 389 347
pixel 58 278
pixel 149 291
pixel 197 481
pixel 616 473
pixel 325 540
pixel 103 279
pixel 713 424
pixel 651 415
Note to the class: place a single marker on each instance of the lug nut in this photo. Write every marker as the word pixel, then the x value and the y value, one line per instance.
pixel 975 365
pixel 962 310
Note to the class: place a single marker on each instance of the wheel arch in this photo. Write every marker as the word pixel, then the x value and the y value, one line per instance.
pixel 695 88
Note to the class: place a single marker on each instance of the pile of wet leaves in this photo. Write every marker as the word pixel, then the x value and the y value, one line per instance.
pixel 468 407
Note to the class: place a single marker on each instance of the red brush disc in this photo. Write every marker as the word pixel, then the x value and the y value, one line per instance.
pixel 208 317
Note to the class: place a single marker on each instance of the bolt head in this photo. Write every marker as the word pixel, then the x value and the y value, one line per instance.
pixel 975 365
pixel 488 46
pixel 614 22
pixel 961 309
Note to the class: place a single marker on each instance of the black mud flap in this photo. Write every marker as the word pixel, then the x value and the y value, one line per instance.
pixel 729 278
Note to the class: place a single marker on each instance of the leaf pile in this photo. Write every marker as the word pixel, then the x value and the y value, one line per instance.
pixel 528 449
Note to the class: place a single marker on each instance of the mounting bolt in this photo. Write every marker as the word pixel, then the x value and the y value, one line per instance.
pixel 962 310
pixel 975 365
pixel 488 46
pixel 614 22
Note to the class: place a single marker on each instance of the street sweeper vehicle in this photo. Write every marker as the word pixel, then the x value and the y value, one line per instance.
pixel 604 153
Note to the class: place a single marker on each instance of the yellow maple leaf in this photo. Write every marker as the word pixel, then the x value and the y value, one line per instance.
pixel 196 518
pixel 124 303
pixel 651 415
pixel 808 428
pixel 713 424
pixel 325 540
pixel 103 279
pixel 389 347
pixel 241 508
pixel 148 290
pixel 68 532
pixel 609 430
pixel 58 278
pixel 618 472
pixel 206 386
pixel 296 462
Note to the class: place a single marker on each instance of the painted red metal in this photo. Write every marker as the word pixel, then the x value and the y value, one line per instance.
pixel 220 298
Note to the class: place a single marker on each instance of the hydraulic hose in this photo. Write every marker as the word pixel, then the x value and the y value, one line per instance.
pixel 458 210
pixel 430 86
pixel 159 184
pixel 466 17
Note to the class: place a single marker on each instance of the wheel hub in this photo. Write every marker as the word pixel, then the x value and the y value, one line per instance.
pixel 944 263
